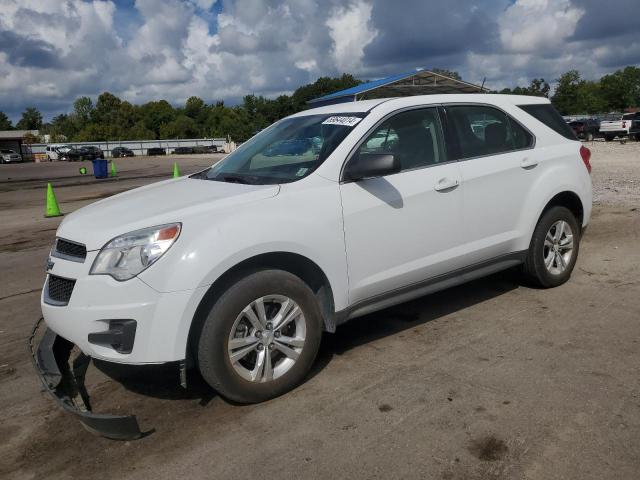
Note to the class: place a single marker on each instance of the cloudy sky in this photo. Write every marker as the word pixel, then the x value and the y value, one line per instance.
pixel 52 51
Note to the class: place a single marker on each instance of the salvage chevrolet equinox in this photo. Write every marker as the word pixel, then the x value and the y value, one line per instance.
pixel 327 215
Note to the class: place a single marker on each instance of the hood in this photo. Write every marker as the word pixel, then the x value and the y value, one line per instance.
pixel 174 200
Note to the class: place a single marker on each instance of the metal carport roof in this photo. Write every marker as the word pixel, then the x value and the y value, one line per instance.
pixel 420 82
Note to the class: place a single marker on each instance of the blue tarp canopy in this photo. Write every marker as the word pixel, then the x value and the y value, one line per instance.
pixel 420 82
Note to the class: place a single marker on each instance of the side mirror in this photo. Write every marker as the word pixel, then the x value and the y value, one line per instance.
pixel 371 165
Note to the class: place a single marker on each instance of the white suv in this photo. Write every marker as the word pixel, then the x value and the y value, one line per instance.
pixel 327 215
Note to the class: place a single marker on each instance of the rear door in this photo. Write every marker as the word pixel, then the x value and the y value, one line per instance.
pixel 403 228
pixel 498 166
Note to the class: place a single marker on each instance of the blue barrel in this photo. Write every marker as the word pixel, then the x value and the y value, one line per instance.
pixel 100 168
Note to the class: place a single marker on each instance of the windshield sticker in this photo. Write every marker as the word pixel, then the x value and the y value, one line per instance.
pixel 301 172
pixel 346 121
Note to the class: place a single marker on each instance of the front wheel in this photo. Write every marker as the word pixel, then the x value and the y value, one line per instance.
pixel 261 337
pixel 554 248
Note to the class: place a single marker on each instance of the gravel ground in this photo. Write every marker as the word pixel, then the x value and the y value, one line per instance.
pixel 616 172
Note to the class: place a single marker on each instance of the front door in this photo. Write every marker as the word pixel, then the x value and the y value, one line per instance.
pixel 403 228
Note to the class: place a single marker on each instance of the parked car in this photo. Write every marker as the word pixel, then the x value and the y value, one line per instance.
pixel 122 152
pixel 586 129
pixel 97 151
pixel 182 150
pixel 54 151
pixel 628 125
pixel 238 269
pixel 156 151
pixel 9 156
pixel 205 149
pixel 76 154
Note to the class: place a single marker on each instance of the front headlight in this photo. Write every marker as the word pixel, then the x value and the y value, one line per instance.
pixel 126 256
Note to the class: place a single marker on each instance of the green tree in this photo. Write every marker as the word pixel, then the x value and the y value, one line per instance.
pixel 82 110
pixel 140 132
pixel 590 99
pixel 62 125
pixel 106 111
pixel 538 88
pixel 31 119
pixel 181 127
pixel 193 107
pixel 621 89
pixel 5 123
pixel 322 86
pixel 565 97
pixel 155 114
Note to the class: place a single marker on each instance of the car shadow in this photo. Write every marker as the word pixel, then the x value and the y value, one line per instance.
pixel 162 381
pixel 393 320
pixel 159 381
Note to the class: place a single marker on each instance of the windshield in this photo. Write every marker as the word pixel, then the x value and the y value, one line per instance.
pixel 628 116
pixel 286 151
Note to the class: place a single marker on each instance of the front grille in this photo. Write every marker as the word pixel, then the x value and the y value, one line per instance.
pixel 71 249
pixel 59 290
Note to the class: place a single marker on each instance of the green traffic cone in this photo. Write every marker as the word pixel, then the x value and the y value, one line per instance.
pixel 113 169
pixel 52 210
pixel 176 170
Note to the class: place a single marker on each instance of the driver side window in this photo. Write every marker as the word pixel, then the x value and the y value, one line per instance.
pixel 414 137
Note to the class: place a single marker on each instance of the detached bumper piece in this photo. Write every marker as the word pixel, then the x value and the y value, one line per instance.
pixel 66 385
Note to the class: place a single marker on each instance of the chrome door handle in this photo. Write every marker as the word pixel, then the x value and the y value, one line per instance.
pixel 446 184
pixel 528 163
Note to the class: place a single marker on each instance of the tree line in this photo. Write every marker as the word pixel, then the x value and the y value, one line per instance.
pixel 111 118
pixel 573 95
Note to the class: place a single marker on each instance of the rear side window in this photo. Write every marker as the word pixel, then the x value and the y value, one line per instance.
pixel 481 130
pixel 550 117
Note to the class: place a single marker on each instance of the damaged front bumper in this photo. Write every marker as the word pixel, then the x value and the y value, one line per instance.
pixel 66 384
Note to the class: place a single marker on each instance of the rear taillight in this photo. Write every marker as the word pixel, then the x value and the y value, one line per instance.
pixel 585 153
pixel 624 124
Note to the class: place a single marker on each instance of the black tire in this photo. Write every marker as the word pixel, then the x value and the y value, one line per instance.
pixel 608 138
pixel 213 359
pixel 534 269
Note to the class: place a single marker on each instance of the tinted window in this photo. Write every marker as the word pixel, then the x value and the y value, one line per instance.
pixel 550 117
pixel 481 130
pixel 414 137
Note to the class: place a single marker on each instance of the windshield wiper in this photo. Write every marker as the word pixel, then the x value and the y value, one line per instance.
pixel 235 179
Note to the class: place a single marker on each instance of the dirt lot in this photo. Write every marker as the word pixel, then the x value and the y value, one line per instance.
pixel 487 380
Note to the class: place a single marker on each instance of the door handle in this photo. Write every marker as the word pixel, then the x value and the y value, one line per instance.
pixel 446 184
pixel 528 163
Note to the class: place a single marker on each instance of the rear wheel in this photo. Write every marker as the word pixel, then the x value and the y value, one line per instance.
pixel 554 248
pixel 261 337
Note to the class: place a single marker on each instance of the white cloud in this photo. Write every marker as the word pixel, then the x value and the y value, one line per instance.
pixel 535 25
pixel 351 32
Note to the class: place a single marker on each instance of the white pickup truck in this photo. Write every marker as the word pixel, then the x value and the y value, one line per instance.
pixel 627 126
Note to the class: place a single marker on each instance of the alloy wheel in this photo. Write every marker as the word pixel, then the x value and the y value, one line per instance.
pixel 267 338
pixel 558 247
